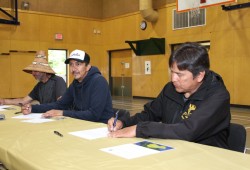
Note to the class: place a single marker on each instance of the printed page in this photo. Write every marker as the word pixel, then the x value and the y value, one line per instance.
pixel 136 150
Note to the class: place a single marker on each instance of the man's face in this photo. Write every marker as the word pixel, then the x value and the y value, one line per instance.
pixel 39 76
pixel 184 81
pixel 78 70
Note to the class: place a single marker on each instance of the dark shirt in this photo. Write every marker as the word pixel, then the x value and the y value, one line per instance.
pixel 87 100
pixel 50 91
pixel 202 118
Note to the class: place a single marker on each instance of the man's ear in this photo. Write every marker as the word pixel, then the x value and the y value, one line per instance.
pixel 88 67
pixel 200 76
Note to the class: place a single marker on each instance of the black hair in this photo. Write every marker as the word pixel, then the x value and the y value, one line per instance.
pixel 192 57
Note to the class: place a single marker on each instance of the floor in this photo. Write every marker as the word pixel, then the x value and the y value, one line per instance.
pixel 134 105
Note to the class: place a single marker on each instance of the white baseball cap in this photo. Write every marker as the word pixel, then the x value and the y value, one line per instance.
pixel 78 55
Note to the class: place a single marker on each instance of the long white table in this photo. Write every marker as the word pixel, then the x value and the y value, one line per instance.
pixel 27 146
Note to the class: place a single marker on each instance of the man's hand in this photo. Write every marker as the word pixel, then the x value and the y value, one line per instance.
pixel 52 113
pixel 26 109
pixel 111 127
pixel 127 132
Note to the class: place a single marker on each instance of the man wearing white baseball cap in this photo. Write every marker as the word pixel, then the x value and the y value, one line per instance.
pixel 88 97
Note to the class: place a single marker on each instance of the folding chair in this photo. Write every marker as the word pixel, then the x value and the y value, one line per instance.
pixel 237 137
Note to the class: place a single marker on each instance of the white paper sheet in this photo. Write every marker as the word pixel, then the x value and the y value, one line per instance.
pixel 33 118
pixel 29 116
pixel 129 151
pixel 91 133
pixel 3 106
pixel 136 150
pixel 42 120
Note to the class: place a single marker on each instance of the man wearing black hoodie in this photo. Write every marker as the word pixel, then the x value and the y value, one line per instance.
pixel 194 106
pixel 87 98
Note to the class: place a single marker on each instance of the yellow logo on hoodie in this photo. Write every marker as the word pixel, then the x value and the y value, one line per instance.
pixel 186 115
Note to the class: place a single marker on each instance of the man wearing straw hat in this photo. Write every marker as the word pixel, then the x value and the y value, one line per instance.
pixel 49 87
pixel 88 96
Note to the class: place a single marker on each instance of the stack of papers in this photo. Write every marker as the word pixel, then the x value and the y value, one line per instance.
pixel 33 118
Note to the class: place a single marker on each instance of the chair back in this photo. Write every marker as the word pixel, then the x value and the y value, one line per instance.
pixel 237 137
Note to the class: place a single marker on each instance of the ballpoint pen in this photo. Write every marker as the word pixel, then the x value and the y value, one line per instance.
pixel 20 104
pixel 58 133
pixel 116 118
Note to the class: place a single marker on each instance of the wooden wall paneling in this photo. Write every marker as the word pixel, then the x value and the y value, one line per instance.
pixel 241 67
pixel 28 29
pixel 24 45
pixel 46 31
pixel 241 81
pixel 99 57
pixel 222 54
pixel 5 81
pixel 59 26
pixel 4 46
pixel 117 31
pixel 77 31
pixel 21 82
pixel 228 33
pixel 25 37
pixel 149 85
pixel 93 30
pixel 112 8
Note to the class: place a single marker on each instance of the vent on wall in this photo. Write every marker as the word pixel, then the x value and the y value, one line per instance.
pixel 183 20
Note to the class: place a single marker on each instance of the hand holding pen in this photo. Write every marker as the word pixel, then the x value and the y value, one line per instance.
pixel 116 118
pixel 114 124
pixel 26 109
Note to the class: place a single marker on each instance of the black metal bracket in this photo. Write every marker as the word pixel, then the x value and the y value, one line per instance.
pixel 13 19
pixel 233 7
pixel 152 46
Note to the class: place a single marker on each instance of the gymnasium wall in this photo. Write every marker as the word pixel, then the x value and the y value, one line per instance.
pixel 227 31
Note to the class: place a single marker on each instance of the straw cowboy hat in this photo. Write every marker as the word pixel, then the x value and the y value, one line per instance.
pixel 39 64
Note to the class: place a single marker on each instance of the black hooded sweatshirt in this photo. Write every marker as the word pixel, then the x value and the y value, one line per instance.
pixel 202 118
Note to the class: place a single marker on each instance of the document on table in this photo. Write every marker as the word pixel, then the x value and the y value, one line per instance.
pixel 91 133
pixel 33 118
pixel 40 120
pixel 136 150
pixel 3 107
pixel 29 116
